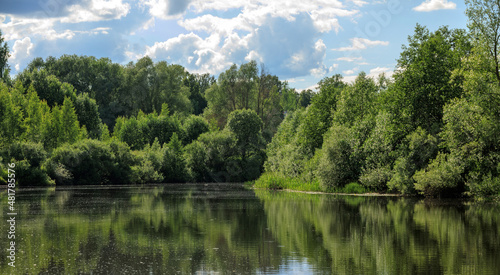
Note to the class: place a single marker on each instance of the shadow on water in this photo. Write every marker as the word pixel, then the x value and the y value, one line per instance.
pixel 229 229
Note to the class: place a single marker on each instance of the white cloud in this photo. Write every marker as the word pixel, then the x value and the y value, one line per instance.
pixel 96 10
pixel 361 44
pixel 358 3
pixel 21 51
pixel 351 71
pixel 432 5
pixel 350 58
pixel 190 50
pixel 323 13
pixel 375 72
pixel 167 9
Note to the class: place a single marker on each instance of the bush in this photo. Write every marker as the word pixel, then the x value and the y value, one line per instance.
pixel 441 178
pixel 150 161
pixel 92 162
pixel 194 126
pixel 28 158
pixel 195 155
pixel 173 165
pixel 338 165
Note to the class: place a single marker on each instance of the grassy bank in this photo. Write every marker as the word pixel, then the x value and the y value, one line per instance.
pixel 278 181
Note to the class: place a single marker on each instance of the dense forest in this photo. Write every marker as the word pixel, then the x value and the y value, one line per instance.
pixel 433 128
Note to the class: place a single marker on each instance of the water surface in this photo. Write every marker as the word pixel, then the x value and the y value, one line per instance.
pixel 226 229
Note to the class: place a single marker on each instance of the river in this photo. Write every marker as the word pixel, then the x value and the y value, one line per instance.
pixel 230 229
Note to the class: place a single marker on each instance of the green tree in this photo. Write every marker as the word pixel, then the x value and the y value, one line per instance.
pixel 246 126
pixel 4 57
pixel 11 116
pixel 484 23
pixel 338 166
pixel 87 112
pixel 356 101
pixel 318 118
pixel 71 131
pixel 194 126
pixel 423 83
pixel 174 167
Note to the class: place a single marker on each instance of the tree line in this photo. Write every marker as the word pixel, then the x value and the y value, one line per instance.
pixel 83 120
pixel 431 129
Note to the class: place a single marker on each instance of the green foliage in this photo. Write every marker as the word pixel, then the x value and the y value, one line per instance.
pixel 194 126
pixel 338 165
pixel 198 84
pixel 278 181
pixel 87 112
pixel 421 148
pixel 246 126
pixel 423 84
pixel 242 88
pixel 144 129
pixel 47 86
pixel 28 158
pixel 90 162
pixel 318 118
pixel 150 162
pixel 356 101
pixel 4 57
pixel 440 178
pixel 10 117
pixel 173 165
pixel 196 162
pixel 354 188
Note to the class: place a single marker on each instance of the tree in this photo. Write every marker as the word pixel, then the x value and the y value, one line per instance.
pixel 318 118
pixel 11 116
pixel 4 57
pixel 423 84
pixel 356 101
pixel 71 131
pixel 484 23
pixel 194 126
pixel 246 127
pixel 47 86
pixel 87 112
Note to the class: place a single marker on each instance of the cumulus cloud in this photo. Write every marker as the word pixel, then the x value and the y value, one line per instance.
pixel 351 71
pixel 268 39
pixel 195 53
pixel 361 44
pixel 21 51
pixel 166 9
pixel 432 5
pixel 375 72
pixel 96 10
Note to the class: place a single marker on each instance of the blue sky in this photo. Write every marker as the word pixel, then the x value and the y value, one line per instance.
pixel 299 41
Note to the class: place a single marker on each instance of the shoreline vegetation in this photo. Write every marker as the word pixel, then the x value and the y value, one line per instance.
pixel 432 129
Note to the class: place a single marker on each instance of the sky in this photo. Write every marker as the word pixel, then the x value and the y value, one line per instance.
pixel 300 41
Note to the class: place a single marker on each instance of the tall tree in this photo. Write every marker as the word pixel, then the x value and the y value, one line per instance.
pixel 484 22
pixel 4 57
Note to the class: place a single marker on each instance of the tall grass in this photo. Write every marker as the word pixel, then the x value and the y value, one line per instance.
pixel 277 181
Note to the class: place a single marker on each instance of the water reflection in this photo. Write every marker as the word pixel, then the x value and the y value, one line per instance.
pixel 185 229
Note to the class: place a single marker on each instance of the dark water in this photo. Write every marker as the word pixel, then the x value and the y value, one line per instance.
pixel 227 229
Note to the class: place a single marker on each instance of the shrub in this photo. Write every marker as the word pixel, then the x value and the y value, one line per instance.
pixel 28 158
pixel 337 166
pixel 194 126
pixel 92 162
pixel 440 178
pixel 195 155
